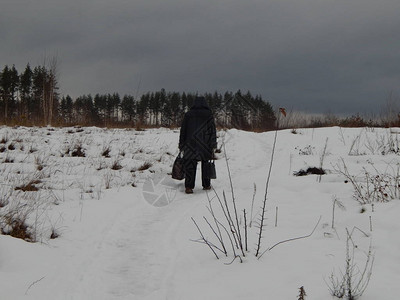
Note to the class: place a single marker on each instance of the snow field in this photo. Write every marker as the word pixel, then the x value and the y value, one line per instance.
pixel 113 244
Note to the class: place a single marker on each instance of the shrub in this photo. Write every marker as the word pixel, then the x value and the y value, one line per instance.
pixel 351 283
pixel 310 170
pixel 373 187
pixel 353 121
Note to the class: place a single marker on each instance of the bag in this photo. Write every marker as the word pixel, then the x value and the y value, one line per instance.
pixel 178 171
pixel 211 172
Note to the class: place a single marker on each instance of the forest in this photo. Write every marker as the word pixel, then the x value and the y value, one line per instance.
pixel 31 98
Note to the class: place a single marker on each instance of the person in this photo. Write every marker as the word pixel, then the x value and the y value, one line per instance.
pixel 197 141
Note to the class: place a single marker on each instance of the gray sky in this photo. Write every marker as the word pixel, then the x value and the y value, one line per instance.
pixel 339 56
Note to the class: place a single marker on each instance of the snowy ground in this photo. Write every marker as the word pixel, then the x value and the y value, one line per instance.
pixel 114 244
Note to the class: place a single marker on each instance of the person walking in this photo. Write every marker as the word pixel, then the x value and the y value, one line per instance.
pixel 197 141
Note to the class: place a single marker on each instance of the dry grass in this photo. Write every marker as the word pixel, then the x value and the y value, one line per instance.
pixel 116 165
pixel 106 152
pixel 145 166
pixel 13 223
pixel 29 187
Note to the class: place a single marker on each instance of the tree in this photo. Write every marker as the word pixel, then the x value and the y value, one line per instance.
pixel 115 103
pixel 9 82
pixel 112 107
pixel 184 101
pixel 50 95
pixel 100 105
pixel 38 83
pixel 66 110
pixel 128 108
pixel 155 107
pixel 143 108
pixel 45 95
pixel 33 95
pixel 86 113
pixel 25 91
pixel 175 104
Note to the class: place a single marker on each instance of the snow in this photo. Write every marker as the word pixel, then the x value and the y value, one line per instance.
pixel 114 244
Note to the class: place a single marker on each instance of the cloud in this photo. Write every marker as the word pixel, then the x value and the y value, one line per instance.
pixel 312 55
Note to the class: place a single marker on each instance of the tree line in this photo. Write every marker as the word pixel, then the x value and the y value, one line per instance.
pixel 29 97
pixel 32 98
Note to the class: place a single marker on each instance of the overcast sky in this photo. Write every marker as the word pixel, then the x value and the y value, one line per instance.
pixel 338 56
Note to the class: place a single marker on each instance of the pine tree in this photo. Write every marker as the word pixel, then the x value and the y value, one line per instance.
pixel 69 109
pixel 14 90
pixel 166 113
pixel 176 110
pixel 109 108
pixel 100 105
pixel 25 90
pixel 38 91
pixel 9 82
pixel 4 92
pixel 184 102
pixel 143 108
pixel 128 108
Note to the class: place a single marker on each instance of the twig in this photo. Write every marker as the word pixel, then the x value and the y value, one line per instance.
pixel 339 204
pixel 321 160
pixel 33 283
pixel 292 239
pixel 265 195
pixel 216 224
pixel 370 223
pixel 230 222
pixel 200 241
pixel 227 215
pixel 202 236
pixel 219 239
pixel 236 256
pixel 252 204
pixel 245 229
pixel 234 205
pixel 229 236
pixel 363 232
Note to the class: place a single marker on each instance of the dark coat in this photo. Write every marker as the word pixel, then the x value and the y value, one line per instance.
pixel 198 135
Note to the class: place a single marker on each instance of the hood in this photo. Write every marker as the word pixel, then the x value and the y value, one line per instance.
pixel 200 102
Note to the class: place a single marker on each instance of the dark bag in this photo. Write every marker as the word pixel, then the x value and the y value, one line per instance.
pixel 210 169
pixel 178 171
